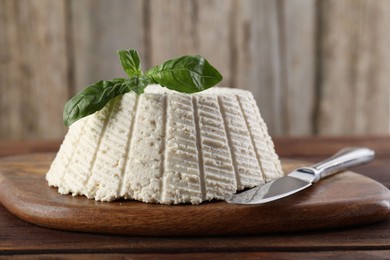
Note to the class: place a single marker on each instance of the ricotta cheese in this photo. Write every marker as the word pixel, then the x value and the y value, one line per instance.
pixel 167 147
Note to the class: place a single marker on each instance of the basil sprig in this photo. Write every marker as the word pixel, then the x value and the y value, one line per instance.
pixel 187 74
pixel 131 62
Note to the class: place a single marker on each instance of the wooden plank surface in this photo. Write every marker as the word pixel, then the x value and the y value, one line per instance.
pixel 98 29
pixel 260 68
pixel 355 95
pixel 315 67
pixel 19 237
pixel 299 32
pixel 193 27
pixel 33 69
pixel 373 254
pixel 25 238
pixel 344 200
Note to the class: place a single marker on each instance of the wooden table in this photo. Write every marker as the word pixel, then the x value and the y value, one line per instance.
pixel 23 239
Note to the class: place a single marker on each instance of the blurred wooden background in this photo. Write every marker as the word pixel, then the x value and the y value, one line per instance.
pixel 315 67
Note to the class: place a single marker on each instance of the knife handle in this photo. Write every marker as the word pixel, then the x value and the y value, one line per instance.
pixel 342 160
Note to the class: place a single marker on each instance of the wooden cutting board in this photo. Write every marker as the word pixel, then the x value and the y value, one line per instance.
pixel 345 199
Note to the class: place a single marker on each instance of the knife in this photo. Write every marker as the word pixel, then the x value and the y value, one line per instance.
pixel 302 178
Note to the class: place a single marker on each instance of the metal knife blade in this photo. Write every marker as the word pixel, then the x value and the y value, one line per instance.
pixel 302 178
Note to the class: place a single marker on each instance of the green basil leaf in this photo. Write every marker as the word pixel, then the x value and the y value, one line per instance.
pixel 187 74
pixel 130 62
pixel 137 84
pixel 96 96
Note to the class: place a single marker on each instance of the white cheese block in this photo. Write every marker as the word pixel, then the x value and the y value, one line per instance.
pixel 167 147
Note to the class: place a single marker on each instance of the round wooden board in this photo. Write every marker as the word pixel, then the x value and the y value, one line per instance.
pixel 345 199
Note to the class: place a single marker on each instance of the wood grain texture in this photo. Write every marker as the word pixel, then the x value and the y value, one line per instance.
pixel 315 67
pixel 275 45
pixel 365 242
pixel 192 27
pixel 259 68
pixel 354 96
pixel 373 254
pixel 299 56
pixel 346 199
pixel 19 237
pixel 99 29
pixel 33 69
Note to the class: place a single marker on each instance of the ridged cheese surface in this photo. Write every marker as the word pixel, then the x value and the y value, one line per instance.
pixel 166 147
